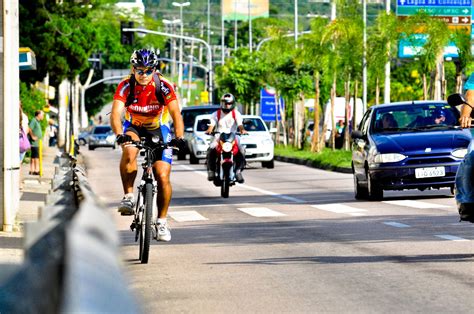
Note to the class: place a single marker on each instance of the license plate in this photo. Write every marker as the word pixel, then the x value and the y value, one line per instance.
pixel 429 172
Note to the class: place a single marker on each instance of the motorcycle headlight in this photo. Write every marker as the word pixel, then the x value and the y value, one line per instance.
pixel 227 147
pixel 459 152
pixel 383 158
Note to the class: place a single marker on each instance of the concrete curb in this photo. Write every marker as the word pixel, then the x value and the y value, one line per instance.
pixel 312 164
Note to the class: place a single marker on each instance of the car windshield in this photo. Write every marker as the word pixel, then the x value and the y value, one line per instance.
pixel 203 125
pixel 102 129
pixel 253 125
pixel 414 117
pixel 190 115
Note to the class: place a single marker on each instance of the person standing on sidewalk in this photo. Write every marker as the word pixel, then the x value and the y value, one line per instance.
pixel 36 134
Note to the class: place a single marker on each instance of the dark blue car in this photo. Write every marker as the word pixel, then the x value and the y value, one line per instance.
pixel 407 145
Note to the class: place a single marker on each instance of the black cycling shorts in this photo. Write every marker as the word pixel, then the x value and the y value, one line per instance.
pixel 163 155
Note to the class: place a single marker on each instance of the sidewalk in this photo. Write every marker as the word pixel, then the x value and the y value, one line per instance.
pixel 32 197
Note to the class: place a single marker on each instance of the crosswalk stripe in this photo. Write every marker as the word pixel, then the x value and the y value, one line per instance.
pixel 396 224
pixel 415 204
pixel 450 237
pixel 341 209
pixel 261 212
pixel 188 215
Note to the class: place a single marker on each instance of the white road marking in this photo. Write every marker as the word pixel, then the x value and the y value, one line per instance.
pixel 261 212
pixel 450 237
pixel 415 204
pixel 282 196
pixel 396 224
pixel 341 209
pixel 190 215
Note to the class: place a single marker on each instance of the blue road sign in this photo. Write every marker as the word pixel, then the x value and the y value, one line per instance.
pixel 451 3
pixel 268 105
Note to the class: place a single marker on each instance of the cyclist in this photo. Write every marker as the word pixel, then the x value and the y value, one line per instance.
pixel 227 119
pixel 148 110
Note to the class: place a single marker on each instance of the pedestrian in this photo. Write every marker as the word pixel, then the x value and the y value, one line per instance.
pixel 36 134
pixel 52 132
pixel 24 142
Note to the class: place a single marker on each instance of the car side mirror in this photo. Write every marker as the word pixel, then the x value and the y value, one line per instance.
pixel 455 100
pixel 273 130
pixel 357 135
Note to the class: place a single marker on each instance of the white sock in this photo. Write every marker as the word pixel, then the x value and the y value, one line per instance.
pixel 161 221
pixel 129 196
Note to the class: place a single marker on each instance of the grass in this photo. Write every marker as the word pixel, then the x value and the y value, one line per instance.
pixel 325 159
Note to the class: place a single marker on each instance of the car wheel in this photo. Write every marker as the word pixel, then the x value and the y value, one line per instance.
pixel 91 147
pixel 453 190
pixel 193 160
pixel 374 190
pixel 268 164
pixel 82 142
pixel 360 192
pixel 114 146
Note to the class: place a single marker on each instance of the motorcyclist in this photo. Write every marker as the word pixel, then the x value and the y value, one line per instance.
pixel 226 120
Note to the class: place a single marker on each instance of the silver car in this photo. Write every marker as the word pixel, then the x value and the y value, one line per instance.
pixel 101 136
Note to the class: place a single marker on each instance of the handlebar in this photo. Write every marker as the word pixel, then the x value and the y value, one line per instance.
pixel 142 145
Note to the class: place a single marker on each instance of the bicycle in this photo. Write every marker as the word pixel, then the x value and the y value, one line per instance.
pixel 142 224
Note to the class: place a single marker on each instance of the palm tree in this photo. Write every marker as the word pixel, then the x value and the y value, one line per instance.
pixel 314 53
pixel 436 37
pixel 462 40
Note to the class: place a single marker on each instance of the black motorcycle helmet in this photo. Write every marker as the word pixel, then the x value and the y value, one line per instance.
pixel 227 102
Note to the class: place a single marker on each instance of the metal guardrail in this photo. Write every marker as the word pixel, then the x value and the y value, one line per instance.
pixel 71 255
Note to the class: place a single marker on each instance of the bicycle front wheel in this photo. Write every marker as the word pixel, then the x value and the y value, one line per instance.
pixel 146 223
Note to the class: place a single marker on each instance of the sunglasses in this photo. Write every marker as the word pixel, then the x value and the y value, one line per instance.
pixel 147 72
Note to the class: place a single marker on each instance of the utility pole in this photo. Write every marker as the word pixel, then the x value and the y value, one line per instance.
pixel 364 56
pixel 296 23
pixel 10 118
pixel 180 65
pixel 250 28
pixel 386 95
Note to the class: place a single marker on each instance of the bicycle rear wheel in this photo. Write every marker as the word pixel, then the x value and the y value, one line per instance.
pixel 145 234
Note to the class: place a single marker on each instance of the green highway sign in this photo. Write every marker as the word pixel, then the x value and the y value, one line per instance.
pixel 443 11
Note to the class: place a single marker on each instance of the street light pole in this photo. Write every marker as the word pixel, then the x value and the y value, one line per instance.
pixel 296 23
pixel 180 66
pixel 386 96
pixel 364 56
pixel 173 43
pixel 250 28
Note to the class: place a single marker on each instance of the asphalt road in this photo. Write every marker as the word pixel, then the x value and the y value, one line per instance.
pixel 294 239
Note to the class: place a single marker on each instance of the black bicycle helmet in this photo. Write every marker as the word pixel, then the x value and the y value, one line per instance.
pixel 144 58
pixel 227 99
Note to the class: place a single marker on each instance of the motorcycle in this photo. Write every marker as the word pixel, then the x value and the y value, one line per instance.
pixel 464 191
pixel 226 149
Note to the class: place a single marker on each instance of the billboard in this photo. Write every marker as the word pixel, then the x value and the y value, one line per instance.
pixel 240 10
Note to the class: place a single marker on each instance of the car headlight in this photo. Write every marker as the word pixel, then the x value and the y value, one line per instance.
pixel 227 147
pixel 394 157
pixel 267 141
pixel 92 138
pixel 111 138
pixel 459 152
pixel 200 141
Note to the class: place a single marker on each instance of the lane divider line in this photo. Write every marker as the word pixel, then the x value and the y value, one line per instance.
pixel 188 215
pixel 262 191
pixel 261 212
pixel 415 204
pixel 450 237
pixel 396 224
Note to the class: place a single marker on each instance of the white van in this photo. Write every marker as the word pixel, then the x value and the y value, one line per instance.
pixel 340 112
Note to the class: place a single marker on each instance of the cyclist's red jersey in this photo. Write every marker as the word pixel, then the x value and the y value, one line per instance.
pixel 146 111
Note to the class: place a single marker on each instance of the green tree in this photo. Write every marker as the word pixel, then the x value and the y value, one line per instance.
pixel 314 53
pixel 462 40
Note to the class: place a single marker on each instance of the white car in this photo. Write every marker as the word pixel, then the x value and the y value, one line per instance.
pixel 198 142
pixel 259 146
